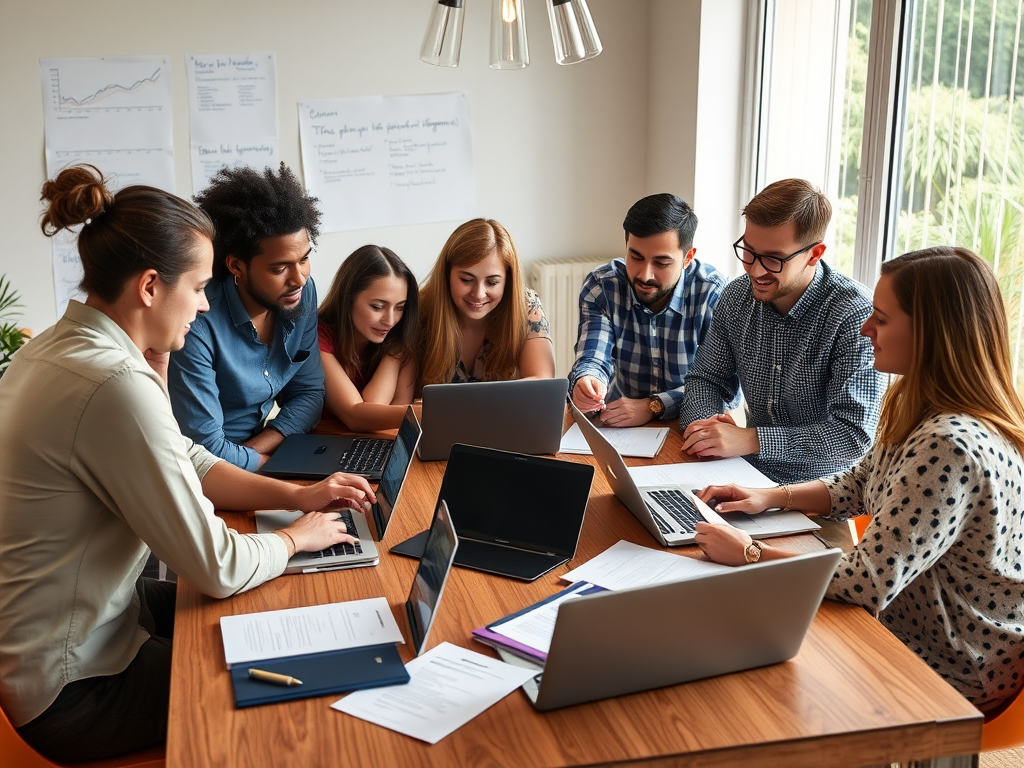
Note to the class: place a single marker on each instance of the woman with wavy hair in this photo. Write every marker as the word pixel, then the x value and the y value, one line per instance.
pixel 480 321
pixel 940 563
pixel 368 327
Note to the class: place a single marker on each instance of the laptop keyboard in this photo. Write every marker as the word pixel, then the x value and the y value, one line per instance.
pixel 366 454
pixel 679 506
pixel 342 548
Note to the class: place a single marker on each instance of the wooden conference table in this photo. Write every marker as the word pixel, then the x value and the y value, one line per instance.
pixel 853 696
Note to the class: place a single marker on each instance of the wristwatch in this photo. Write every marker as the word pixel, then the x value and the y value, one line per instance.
pixel 752 552
pixel 657 407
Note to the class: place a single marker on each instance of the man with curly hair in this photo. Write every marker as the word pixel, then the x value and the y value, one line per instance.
pixel 257 344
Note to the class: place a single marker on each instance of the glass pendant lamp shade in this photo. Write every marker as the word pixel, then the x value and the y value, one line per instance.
pixel 443 40
pixel 509 49
pixel 573 31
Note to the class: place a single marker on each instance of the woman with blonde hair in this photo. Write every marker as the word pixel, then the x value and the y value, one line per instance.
pixel 940 562
pixel 480 321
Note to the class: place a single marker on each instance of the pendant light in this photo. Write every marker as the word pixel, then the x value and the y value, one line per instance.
pixel 509 49
pixel 573 31
pixel 443 40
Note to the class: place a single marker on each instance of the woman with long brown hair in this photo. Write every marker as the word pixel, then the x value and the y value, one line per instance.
pixel 480 321
pixel 368 329
pixel 940 563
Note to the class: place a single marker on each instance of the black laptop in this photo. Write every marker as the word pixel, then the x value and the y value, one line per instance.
pixel 314 457
pixel 517 515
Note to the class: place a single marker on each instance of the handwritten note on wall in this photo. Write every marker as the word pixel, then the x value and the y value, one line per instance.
pixel 232 109
pixel 386 160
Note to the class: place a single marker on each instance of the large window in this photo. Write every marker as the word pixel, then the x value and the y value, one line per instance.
pixel 918 134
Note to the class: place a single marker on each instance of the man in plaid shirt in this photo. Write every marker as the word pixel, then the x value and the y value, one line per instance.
pixel 788 332
pixel 642 317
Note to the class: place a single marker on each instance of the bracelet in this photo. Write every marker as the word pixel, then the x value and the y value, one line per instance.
pixel 789 498
pixel 287 535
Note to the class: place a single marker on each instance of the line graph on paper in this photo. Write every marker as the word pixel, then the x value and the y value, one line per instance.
pixel 122 95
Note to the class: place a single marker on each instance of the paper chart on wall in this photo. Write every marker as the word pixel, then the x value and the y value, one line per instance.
pixel 232 111
pixel 387 160
pixel 114 113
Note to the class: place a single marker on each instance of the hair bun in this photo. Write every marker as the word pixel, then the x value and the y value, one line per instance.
pixel 77 195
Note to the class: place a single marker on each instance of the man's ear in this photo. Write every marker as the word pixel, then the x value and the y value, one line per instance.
pixel 689 257
pixel 235 266
pixel 147 284
pixel 817 252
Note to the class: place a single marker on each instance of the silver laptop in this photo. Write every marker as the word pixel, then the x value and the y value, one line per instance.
pixel 614 643
pixel 523 416
pixel 670 511
pixel 364 553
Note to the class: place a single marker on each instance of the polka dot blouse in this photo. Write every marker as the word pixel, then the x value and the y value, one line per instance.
pixel 940 564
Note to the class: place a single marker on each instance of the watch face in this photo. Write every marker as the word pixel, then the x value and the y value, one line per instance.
pixel 656 406
pixel 752 553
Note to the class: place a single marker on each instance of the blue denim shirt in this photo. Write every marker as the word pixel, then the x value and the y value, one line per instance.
pixel 224 381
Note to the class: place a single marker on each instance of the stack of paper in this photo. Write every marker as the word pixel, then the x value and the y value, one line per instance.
pixel 644 442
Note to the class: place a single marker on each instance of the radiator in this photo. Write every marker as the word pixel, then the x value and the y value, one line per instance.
pixel 558 283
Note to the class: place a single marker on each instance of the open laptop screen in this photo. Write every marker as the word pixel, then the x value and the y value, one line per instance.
pixel 394 472
pixel 431 575
pixel 529 502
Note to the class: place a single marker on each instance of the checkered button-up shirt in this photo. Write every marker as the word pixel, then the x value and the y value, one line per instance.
pixel 808 376
pixel 635 352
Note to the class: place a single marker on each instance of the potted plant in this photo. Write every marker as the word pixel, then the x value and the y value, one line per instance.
pixel 11 336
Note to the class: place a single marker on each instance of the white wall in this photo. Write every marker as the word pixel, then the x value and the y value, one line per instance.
pixel 560 152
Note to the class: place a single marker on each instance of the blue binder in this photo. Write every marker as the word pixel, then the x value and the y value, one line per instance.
pixel 321 674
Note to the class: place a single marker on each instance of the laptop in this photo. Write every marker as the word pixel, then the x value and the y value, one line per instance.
pixel 431 576
pixel 314 457
pixel 670 512
pixel 523 416
pixel 517 516
pixel 614 643
pixel 365 552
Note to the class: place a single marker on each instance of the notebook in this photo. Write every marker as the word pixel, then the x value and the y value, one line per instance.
pixel 517 516
pixel 314 457
pixel 614 643
pixel 669 512
pixel 365 552
pixel 523 416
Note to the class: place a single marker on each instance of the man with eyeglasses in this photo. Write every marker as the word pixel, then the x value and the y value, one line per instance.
pixel 788 334
pixel 642 317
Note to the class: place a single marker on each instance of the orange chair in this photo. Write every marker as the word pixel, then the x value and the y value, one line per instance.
pixel 860 523
pixel 1006 730
pixel 15 753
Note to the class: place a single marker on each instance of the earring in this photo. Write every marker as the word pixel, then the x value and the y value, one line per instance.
pixel 236 279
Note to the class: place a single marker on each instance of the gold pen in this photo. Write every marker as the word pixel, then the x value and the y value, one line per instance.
pixel 273 677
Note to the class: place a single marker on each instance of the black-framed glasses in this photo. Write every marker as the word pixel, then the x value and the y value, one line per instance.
pixel 770 263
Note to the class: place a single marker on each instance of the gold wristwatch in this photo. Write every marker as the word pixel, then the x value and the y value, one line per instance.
pixel 657 407
pixel 752 552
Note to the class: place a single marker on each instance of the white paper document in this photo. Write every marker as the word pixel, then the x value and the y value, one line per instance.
pixel 114 113
pixel 314 629
pixel 625 565
pixel 644 442
pixel 536 628
pixel 232 112
pixel 700 474
pixel 448 687
pixel 384 160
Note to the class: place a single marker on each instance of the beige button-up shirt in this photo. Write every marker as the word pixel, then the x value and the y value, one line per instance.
pixel 94 473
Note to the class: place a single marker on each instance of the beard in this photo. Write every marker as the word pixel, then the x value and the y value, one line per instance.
pixel 271 303
pixel 660 294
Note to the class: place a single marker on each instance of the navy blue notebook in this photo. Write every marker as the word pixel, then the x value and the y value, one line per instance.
pixel 321 674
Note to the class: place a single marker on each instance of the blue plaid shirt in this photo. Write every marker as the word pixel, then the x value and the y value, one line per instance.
pixel 808 376
pixel 634 351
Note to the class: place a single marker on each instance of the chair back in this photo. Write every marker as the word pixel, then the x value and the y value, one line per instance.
pixel 1006 730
